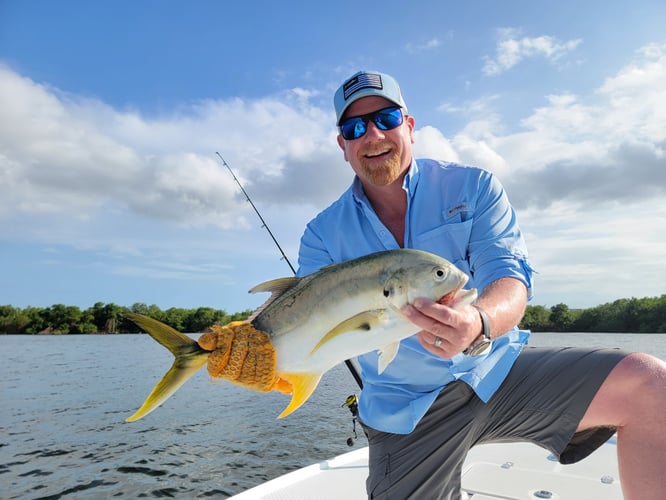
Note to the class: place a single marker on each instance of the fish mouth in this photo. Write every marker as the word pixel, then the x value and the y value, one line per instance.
pixel 458 297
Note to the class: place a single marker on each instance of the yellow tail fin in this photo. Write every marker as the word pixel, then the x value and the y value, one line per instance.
pixel 189 358
pixel 303 385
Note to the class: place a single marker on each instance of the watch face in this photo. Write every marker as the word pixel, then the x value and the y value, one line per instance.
pixel 479 348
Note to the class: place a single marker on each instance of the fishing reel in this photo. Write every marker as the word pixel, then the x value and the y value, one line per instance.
pixel 352 403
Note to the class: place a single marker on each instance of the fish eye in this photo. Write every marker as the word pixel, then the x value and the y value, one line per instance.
pixel 387 292
pixel 440 273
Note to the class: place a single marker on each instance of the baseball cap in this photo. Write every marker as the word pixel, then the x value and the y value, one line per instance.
pixel 363 84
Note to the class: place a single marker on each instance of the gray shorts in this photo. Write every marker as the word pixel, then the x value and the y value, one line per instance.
pixel 542 400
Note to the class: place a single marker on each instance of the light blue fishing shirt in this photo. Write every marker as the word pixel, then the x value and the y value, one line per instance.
pixel 460 213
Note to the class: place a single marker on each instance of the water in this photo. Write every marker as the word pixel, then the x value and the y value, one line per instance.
pixel 63 401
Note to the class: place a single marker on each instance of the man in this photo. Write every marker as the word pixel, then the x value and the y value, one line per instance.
pixel 447 390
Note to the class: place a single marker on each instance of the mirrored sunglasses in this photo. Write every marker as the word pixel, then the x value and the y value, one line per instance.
pixel 384 119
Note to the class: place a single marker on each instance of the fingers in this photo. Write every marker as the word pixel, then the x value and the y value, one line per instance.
pixel 445 331
pixel 431 316
pixel 442 348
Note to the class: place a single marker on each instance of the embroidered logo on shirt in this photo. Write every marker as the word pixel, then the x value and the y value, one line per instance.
pixel 457 209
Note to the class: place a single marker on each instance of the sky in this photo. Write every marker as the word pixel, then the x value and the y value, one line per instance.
pixel 111 115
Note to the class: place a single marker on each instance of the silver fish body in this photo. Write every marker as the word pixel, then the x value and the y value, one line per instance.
pixel 347 309
pixel 318 321
pixel 350 308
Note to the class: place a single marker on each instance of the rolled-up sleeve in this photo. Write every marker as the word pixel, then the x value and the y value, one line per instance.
pixel 312 254
pixel 496 246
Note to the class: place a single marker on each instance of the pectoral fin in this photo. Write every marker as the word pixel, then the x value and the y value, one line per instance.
pixel 364 321
pixel 303 385
pixel 386 355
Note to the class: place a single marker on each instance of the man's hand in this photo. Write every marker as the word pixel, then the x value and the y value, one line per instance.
pixel 456 328
pixel 504 301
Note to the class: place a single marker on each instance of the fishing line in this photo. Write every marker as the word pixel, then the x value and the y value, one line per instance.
pixel 263 222
pixel 348 362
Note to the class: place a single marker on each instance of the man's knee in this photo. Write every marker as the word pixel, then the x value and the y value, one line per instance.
pixel 636 387
pixel 643 373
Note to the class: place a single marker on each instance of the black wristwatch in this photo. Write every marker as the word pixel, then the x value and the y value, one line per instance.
pixel 482 343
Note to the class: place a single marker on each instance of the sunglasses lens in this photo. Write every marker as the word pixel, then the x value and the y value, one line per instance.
pixel 385 119
pixel 353 128
pixel 388 119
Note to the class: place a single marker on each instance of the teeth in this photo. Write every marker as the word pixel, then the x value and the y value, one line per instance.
pixel 459 297
pixel 464 297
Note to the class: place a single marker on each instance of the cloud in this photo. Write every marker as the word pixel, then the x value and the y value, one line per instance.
pixel 481 106
pixel 610 148
pixel 588 256
pixel 511 50
pixel 149 193
pixel 627 174
pixel 431 143
pixel 64 155
pixel 426 45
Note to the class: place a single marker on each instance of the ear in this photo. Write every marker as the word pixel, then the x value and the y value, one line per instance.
pixel 341 143
pixel 410 124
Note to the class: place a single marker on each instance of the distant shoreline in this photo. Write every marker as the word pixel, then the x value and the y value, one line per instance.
pixel 645 315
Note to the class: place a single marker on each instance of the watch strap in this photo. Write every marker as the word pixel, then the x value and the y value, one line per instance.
pixel 479 347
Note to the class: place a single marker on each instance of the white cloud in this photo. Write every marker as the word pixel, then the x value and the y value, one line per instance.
pixel 596 151
pixel 591 256
pixel 431 143
pixel 60 154
pixel 474 108
pixel 63 155
pixel 586 173
pixel 426 45
pixel 512 49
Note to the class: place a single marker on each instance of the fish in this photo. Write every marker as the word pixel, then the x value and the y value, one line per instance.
pixel 310 324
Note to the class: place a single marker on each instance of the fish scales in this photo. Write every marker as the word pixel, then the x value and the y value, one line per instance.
pixel 328 289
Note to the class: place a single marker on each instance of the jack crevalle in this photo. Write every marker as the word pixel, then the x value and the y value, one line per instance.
pixel 311 324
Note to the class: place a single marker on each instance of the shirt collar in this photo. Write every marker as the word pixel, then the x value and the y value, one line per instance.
pixel 411 180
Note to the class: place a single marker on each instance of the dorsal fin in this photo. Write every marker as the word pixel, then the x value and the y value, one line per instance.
pixel 277 287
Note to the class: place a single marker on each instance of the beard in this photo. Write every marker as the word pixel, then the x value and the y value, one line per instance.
pixel 381 173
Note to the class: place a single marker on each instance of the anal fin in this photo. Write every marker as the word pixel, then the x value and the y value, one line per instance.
pixel 386 355
pixel 303 385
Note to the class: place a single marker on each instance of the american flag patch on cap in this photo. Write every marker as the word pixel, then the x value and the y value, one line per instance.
pixel 362 81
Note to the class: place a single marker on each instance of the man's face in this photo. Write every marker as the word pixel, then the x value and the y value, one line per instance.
pixel 379 157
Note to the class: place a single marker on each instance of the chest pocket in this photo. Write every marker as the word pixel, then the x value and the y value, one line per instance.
pixel 448 240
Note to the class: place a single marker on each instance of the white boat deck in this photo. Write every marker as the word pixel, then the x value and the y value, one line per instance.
pixel 491 472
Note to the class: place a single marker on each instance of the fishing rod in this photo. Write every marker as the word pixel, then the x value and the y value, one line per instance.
pixel 348 362
pixel 263 222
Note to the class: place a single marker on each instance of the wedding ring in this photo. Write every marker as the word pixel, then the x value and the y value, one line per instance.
pixel 438 342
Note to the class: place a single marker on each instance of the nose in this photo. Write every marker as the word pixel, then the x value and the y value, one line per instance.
pixel 373 130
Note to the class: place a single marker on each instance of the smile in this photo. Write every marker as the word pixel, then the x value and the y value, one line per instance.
pixel 379 153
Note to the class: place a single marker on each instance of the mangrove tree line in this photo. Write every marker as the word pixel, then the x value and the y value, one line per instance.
pixel 645 315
